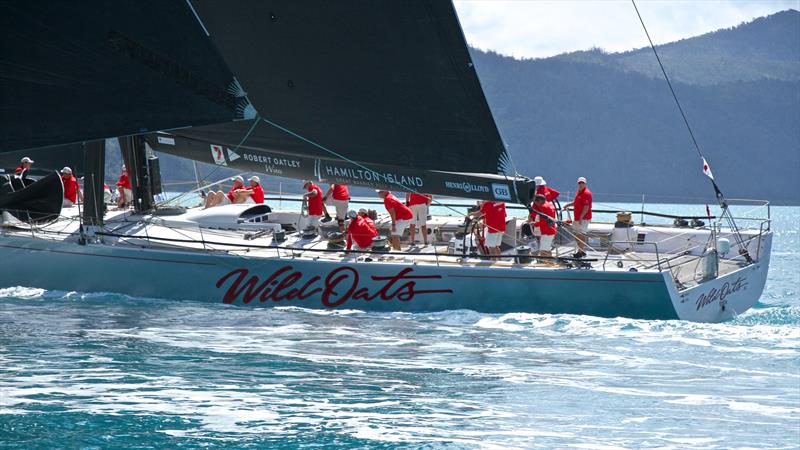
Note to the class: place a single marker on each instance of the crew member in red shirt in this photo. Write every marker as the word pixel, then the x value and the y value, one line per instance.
pixel 313 197
pixel 72 190
pixel 232 196
pixel 401 216
pixel 124 189
pixel 418 203
pixel 341 201
pixel 361 230
pixel 582 205
pixel 549 193
pixel 256 191
pixel 543 217
pixel 494 216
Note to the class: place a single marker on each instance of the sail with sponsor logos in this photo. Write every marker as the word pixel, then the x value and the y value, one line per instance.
pixel 377 94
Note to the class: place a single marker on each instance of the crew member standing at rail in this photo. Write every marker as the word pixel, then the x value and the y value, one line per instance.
pixel 401 216
pixel 494 217
pixel 72 191
pixel 341 201
pixel 313 197
pixel 582 204
pixel 543 217
pixel 418 203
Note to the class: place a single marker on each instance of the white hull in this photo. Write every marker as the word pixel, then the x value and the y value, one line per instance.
pixel 222 270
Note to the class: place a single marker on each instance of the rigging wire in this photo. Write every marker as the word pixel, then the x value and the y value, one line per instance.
pixel 720 197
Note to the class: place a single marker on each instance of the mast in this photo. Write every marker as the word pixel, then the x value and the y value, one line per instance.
pixel 134 153
pixel 94 160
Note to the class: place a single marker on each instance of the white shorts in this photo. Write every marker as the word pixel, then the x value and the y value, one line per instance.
pixel 582 226
pixel 400 226
pixel 128 195
pixel 420 217
pixel 225 199
pixel 546 242
pixel 67 203
pixel 493 239
pixel 107 195
pixel 341 208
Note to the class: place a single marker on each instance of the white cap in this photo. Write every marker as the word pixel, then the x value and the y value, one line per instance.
pixel 238 178
pixel 26 160
pixel 539 181
pixel 305 182
pixel 581 179
pixel 352 214
pixel 123 167
pixel 66 170
pixel 255 178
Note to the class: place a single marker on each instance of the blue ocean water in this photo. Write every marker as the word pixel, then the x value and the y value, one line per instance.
pixel 94 370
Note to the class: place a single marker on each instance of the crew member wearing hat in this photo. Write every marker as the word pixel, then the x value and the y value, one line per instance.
pixel 582 205
pixel 542 188
pixel 401 216
pixel 360 231
pixel 341 201
pixel 256 191
pixel 22 171
pixel 221 198
pixel 24 164
pixel 124 189
pixel 72 190
pixel 313 197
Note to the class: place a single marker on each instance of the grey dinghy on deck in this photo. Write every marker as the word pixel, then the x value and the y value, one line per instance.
pixel 363 93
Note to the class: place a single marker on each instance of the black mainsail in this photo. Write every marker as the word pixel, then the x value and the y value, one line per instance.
pixel 79 71
pixel 380 94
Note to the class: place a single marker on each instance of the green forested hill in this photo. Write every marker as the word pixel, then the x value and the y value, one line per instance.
pixel 608 117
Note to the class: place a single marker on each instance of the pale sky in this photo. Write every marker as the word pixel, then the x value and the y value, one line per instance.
pixel 542 28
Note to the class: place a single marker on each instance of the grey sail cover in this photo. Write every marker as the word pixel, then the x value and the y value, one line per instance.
pixel 73 71
pixel 384 82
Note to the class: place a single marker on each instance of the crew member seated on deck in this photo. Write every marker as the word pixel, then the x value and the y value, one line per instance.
pixel 340 200
pixel 221 198
pixel 72 190
pixel 494 214
pixel 253 194
pixel 360 231
pixel 313 197
pixel 401 216
pixel 418 203
pixel 543 217
pixel 582 203
pixel 124 189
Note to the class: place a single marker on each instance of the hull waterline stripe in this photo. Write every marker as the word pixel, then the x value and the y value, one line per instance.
pixel 557 279
pixel 109 256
